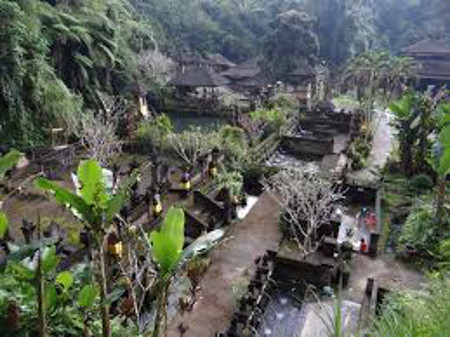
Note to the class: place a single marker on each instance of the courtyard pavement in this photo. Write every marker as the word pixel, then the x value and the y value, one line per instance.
pixel 230 262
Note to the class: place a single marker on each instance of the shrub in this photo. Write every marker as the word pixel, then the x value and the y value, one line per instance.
pixel 154 132
pixel 274 117
pixel 359 152
pixel 234 145
pixel 232 180
pixel 422 232
pixel 422 183
pixel 284 101
pixel 419 230
pixel 416 313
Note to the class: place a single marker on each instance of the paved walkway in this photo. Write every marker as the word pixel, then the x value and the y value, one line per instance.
pixel 379 154
pixel 249 239
pixel 386 271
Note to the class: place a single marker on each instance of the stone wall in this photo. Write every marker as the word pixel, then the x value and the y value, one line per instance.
pixel 321 124
pixel 299 145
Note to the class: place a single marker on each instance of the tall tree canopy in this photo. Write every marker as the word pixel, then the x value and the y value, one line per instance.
pixel 54 55
pixel 290 42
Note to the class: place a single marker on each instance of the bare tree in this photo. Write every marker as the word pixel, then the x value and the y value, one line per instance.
pixel 192 144
pixel 139 270
pixel 97 131
pixel 155 65
pixel 307 202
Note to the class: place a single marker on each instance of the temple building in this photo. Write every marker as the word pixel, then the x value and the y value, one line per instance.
pixel 247 77
pixel 215 62
pixel 433 59
pixel 198 90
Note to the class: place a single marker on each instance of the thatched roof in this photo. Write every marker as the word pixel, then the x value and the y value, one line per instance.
pixel 435 69
pixel 199 77
pixel 189 59
pixel 247 69
pixel 428 47
pixel 137 89
pixel 219 60
pixel 260 80
pixel 304 70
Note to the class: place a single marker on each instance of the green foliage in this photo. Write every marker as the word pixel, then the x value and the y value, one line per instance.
pixel 376 75
pixel 274 117
pixel 14 289
pixel 418 230
pixel 167 243
pixel 50 259
pixel 290 42
pixel 401 23
pixel 192 144
pixel 65 279
pixel 67 299
pixel 422 182
pixel 155 132
pixel 57 56
pixel 95 206
pixel 359 152
pixel 414 119
pixel 234 145
pixel 167 249
pixel 422 231
pixel 344 28
pixel 8 161
pixel 285 102
pixel 441 152
pixel 416 313
pixel 3 225
pixel 87 296
pixel 66 198
pixel 232 180
pixel 93 189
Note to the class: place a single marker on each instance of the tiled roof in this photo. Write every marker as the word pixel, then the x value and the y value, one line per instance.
pixel 428 47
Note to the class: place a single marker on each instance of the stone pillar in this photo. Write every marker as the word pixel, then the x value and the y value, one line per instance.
pixel 373 244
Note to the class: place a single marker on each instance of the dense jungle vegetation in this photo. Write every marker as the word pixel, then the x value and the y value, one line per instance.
pixel 56 56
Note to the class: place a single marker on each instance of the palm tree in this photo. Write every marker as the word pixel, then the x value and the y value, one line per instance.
pixel 399 70
pixel 404 121
pixel 81 42
pixel 364 73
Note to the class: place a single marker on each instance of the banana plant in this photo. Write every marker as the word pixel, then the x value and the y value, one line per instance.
pixel 7 162
pixel 91 203
pixel 96 208
pixel 440 160
pixel 168 254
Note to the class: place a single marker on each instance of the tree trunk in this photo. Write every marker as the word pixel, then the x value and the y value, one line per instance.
pixel 86 331
pixel 104 307
pixel 158 315
pixel 406 158
pixel 161 310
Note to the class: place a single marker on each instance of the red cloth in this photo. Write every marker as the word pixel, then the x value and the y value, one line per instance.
pixel 363 246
